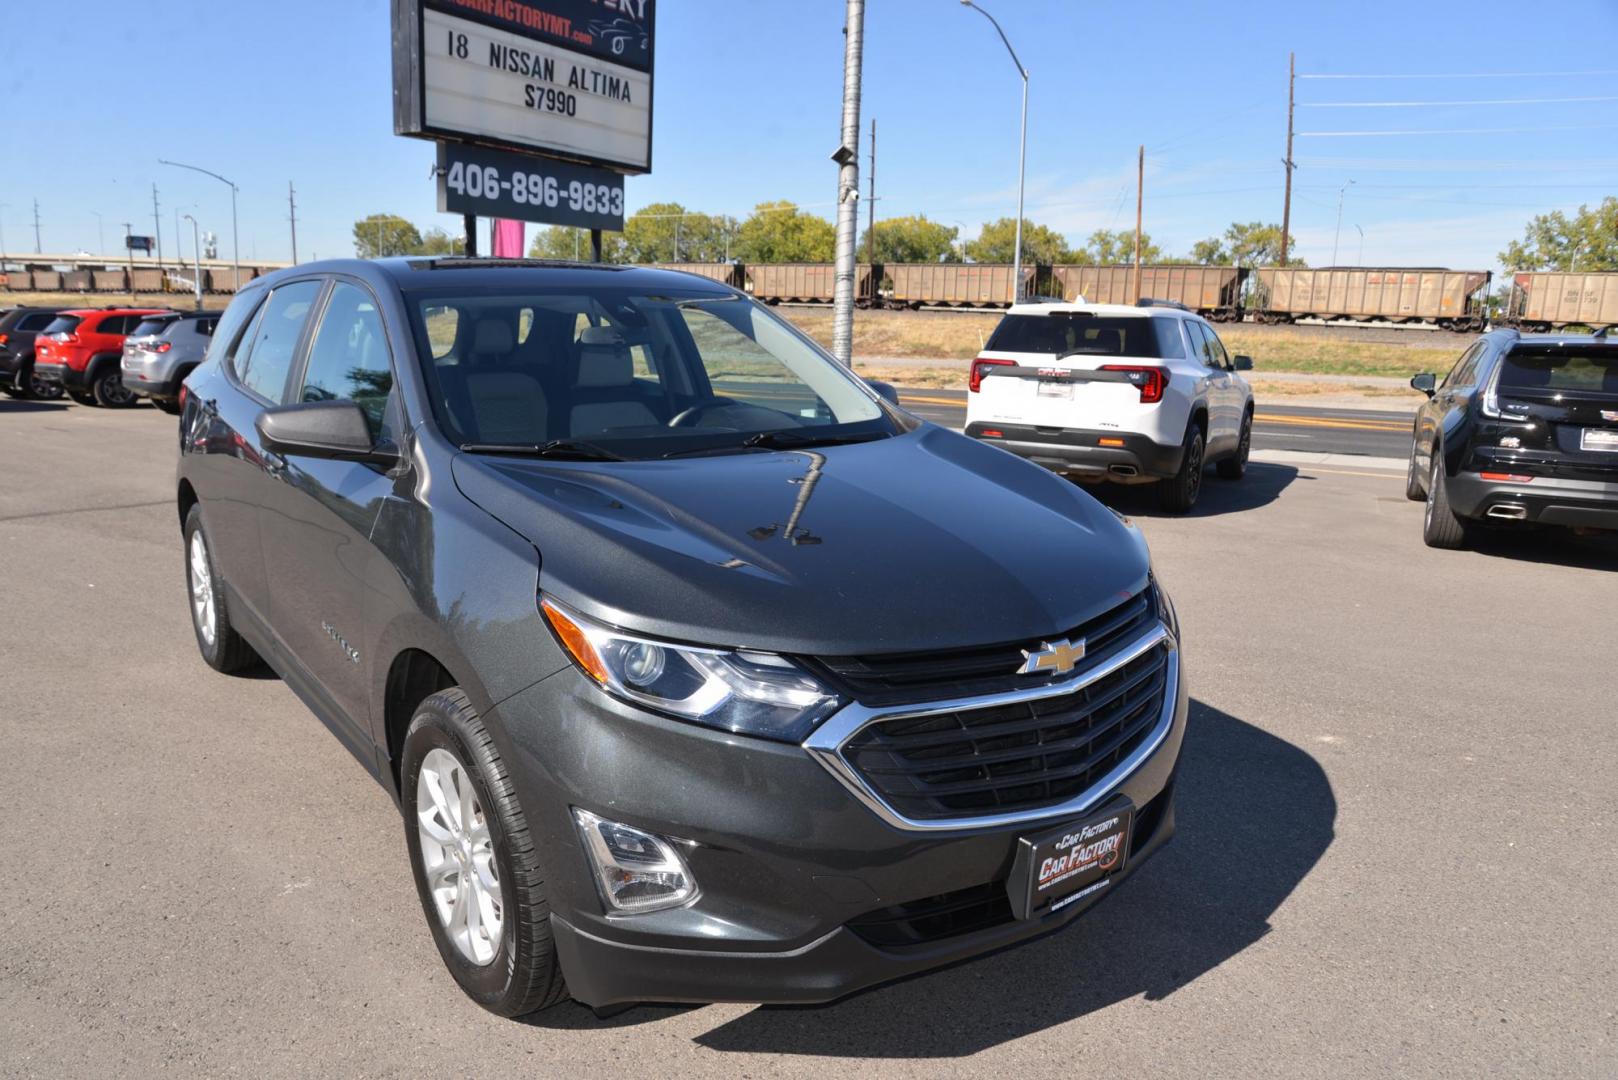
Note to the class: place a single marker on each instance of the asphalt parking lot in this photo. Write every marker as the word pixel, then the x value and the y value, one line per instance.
pixel 1396 847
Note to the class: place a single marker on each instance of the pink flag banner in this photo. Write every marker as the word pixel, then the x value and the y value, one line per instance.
pixel 508 238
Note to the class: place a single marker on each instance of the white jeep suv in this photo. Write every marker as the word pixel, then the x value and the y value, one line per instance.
pixel 1143 394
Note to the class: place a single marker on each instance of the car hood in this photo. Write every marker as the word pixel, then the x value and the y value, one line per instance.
pixel 924 540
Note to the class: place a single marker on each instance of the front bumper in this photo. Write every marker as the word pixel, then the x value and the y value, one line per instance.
pixel 1078 451
pixel 785 856
pixel 1548 500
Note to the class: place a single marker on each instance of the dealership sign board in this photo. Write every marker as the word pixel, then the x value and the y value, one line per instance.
pixel 568 79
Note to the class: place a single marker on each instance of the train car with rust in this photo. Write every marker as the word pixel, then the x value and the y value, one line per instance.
pixel 1550 300
pixel 1215 292
pixel 809 283
pixel 986 285
pixel 1452 299
pixel 726 273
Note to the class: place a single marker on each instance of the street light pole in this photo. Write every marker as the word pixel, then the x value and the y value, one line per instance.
pixel 1359 260
pixel 1336 236
pixel 1022 151
pixel 235 246
pixel 196 248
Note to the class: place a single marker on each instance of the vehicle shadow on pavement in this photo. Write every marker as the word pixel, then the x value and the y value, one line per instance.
pixel 22 405
pixel 1255 813
pixel 1558 547
pixel 1262 485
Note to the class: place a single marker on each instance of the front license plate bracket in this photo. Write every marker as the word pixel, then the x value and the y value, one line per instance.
pixel 1070 864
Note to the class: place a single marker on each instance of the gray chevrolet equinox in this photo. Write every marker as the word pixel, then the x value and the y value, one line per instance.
pixel 699 670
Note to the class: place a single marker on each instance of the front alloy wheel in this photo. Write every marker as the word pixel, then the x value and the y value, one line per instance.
pixel 457 856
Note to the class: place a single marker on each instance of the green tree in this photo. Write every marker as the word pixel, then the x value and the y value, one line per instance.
pixel 1209 252
pixel 910 239
pixel 1251 244
pixel 660 232
pixel 436 241
pixel 779 232
pixel 1586 241
pixel 385 234
pixel 567 243
pixel 997 242
pixel 1113 247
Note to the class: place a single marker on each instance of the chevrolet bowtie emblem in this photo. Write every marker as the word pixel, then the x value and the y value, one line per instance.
pixel 1052 658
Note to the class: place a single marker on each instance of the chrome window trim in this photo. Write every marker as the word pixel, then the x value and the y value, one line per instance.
pixel 826 743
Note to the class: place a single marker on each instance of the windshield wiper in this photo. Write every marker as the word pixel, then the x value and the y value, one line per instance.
pixel 556 448
pixel 787 439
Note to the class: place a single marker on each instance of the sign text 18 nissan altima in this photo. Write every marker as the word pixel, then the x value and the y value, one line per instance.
pixel 700 671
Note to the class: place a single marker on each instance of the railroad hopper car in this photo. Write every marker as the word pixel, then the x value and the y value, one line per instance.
pixel 809 283
pixel 1452 299
pixel 1213 291
pixel 955 284
pixel 726 273
pixel 1550 300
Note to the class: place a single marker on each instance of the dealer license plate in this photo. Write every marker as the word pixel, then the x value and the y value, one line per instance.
pixel 1599 439
pixel 1071 864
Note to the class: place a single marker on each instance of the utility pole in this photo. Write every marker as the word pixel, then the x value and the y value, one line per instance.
pixel 848 186
pixel 1140 196
pixel 157 227
pixel 292 216
pixel 870 203
pixel 196 248
pixel 1286 209
pixel 129 252
pixel 36 226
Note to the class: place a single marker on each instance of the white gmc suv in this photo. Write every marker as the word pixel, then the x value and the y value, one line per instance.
pixel 1133 395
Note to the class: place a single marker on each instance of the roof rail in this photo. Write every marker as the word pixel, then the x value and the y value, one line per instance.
pixel 1147 301
pixel 1048 300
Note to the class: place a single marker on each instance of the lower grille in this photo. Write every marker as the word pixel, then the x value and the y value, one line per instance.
pixel 1020 756
pixel 935 917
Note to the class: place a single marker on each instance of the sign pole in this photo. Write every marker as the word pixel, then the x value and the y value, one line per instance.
pixel 595 245
pixel 470 223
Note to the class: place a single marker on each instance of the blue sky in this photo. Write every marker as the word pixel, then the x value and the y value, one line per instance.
pixel 748 109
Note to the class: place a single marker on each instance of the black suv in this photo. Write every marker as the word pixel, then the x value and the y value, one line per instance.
pixel 699 670
pixel 1524 428
pixel 18 328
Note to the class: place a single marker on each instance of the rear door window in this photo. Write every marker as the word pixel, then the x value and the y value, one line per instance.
pixel 35 322
pixel 264 363
pixel 153 324
pixel 62 324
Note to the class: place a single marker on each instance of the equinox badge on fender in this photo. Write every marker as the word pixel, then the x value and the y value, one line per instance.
pixel 1053 658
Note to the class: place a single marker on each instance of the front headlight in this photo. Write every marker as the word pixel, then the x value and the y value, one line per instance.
pixel 752 693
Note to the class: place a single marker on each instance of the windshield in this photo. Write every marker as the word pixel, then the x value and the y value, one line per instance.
pixel 63 324
pixel 641 376
pixel 1081 332
pixel 1561 367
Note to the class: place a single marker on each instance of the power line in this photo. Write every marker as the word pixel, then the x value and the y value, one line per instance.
pixel 1448 104
pixel 1472 75
pixel 1455 131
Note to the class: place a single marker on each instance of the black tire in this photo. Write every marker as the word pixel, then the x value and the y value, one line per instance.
pixel 17 389
pixel 42 390
pixel 1235 466
pixel 1440 528
pixel 81 397
pixel 523 975
pixel 1178 494
pixel 1413 489
pixel 228 652
pixel 110 391
pixel 168 405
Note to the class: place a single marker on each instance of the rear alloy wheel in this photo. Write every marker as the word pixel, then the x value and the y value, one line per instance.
pixel 1178 493
pixel 474 861
pixel 1440 528
pixel 1235 466
pixel 111 393
pixel 222 648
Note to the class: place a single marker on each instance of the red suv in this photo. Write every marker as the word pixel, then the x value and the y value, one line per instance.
pixel 82 349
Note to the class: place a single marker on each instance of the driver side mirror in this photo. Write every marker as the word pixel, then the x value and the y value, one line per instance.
pixel 1426 382
pixel 335 430
pixel 1243 363
pixel 885 391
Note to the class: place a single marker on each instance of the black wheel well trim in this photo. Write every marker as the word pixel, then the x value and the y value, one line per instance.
pixel 413 676
pixel 93 368
pixel 1199 416
pixel 186 497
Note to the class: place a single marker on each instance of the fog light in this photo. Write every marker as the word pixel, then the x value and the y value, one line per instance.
pixel 635 870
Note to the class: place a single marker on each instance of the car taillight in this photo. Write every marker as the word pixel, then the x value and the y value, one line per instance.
pixel 183 393
pixel 65 338
pixel 974 380
pixel 4 338
pixel 1507 478
pixel 1150 381
pixel 161 346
